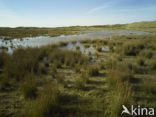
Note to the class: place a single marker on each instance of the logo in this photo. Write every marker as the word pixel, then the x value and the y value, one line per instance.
pixel 137 111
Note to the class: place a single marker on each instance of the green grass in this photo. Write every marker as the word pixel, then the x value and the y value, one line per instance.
pixel 29 88
pixel 47 103
pixel 146 26
pixel 51 81
pixel 93 71
pixel 79 83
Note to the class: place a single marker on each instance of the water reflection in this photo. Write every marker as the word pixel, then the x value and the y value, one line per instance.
pixel 45 40
pixel 87 51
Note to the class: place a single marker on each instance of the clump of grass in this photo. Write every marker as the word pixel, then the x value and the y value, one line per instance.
pixel 117 57
pixel 58 64
pixel 99 48
pixel 77 47
pixel 148 86
pixel 121 95
pixel 85 76
pixel 132 48
pixel 77 68
pixel 87 45
pixel 3 59
pixel 116 76
pixel 79 83
pixel 111 63
pixel 94 45
pixel 102 65
pixel 63 44
pixel 60 78
pixel 46 104
pixel 146 53
pixel 105 42
pixel 29 89
pixel 42 68
pixel 4 82
pixel 152 64
pixel 53 71
pixel 134 68
pixel 111 47
pixel 96 54
pixel 140 61
pixel 93 71
pixel 74 42
pixel 22 62
pixel 85 41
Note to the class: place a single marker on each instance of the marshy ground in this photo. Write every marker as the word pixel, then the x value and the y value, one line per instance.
pixel 57 81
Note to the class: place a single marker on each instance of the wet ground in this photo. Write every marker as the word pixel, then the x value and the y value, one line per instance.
pixel 9 45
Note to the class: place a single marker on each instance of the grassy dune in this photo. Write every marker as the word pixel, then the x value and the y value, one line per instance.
pixel 146 26
pixel 21 32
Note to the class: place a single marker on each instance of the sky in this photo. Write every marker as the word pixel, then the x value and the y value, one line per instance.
pixel 57 13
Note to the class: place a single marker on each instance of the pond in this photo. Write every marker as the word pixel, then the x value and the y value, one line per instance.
pixel 46 40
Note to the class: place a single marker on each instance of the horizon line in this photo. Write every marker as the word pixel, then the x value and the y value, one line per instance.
pixel 75 25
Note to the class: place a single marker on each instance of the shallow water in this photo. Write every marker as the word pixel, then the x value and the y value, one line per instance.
pixel 84 50
pixel 46 40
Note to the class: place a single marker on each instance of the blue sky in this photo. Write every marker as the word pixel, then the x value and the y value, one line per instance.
pixel 53 13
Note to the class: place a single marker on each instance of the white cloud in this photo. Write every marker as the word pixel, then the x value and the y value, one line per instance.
pixel 106 5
